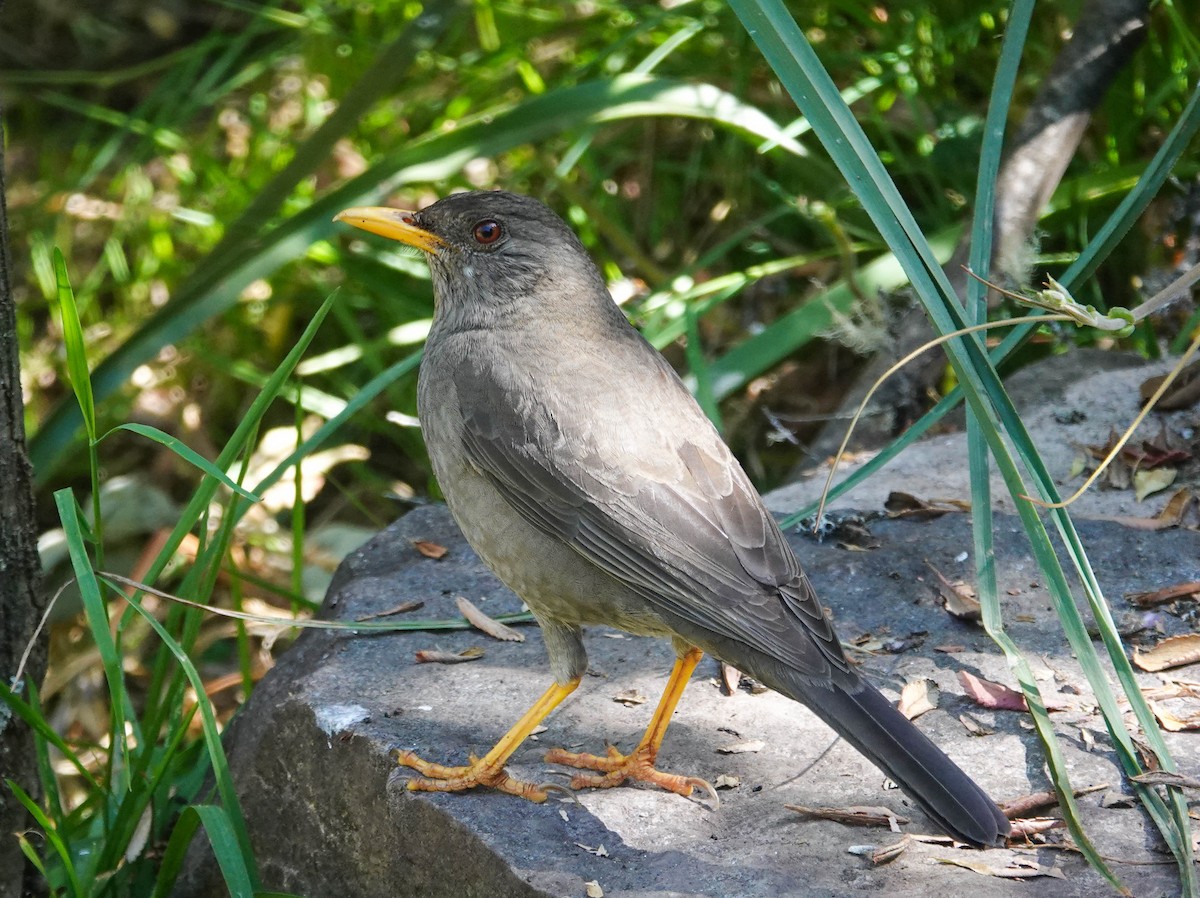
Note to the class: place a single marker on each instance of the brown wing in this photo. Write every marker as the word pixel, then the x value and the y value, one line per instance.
pixel 680 524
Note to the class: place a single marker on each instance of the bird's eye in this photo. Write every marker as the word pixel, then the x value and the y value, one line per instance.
pixel 487 231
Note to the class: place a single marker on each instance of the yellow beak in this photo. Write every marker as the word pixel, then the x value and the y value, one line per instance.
pixel 396 224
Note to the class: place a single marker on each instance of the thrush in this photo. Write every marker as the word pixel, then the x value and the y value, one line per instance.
pixel 583 473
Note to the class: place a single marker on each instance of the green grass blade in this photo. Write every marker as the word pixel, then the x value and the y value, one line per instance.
pixel 234 826
pixel 98 623
pixel 222 835
pixel 77 367
pixel 185 452
pixel 53 836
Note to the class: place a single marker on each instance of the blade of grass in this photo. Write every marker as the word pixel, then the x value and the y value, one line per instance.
pixel 185 452
pixel 54 837
pixel 982 520
pixel 81 385
pixel 222 835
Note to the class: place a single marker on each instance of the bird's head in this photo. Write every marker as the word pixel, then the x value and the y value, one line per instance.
pixel 490 250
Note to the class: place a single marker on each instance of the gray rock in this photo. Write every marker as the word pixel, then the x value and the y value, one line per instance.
pixel 329 815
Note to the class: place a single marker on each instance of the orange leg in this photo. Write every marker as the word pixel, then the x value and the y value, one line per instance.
pixel 615 768
pixel 488 770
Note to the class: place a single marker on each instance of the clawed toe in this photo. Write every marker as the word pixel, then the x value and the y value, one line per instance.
pixel 440 778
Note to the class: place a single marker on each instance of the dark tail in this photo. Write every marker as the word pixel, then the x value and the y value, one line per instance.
pixel 870 723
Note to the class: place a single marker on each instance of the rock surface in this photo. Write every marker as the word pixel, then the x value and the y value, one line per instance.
pixel 329 814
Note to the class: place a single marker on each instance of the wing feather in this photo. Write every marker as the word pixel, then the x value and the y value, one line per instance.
pixel 687 532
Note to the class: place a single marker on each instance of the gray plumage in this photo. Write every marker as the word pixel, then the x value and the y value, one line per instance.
pixel 582 471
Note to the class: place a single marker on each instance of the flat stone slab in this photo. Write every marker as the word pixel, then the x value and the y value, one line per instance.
pixel 329 815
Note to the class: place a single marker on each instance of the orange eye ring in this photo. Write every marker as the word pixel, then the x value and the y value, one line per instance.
pixel 487 232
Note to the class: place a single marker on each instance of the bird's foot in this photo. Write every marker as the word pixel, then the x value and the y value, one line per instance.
pixel 438 778
pixel 615 768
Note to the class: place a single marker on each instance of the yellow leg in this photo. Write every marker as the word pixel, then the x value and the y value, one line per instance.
pixel 615 768
pixel 488 770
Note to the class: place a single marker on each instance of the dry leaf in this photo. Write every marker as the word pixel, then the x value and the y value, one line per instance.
pixel 1024 805
pixel 853 816
pixel 1147 482
pixel 1173 722
pixel 432 656
pixel 599 850
pixel 974 727
pixel 1188 590
pixel 402 608
pixel 1163 778
pixel 593 889
pixel 1027 827
pixel 906 505
pixel 991 695
pixel 1114 799
pixel 731 678
pixel 725 781
pixel 490 626
pixel 1171 516
pixel 915 700
pixel 428 549
pixel 950 649
pixel 885 854
pixel 1018 868
pixel 1183 392
pixel 629 698
pixel 958 598
pixel 738 748
pixel 1175 651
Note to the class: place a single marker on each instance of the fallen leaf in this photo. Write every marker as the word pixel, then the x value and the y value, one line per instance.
pixel 950 649
pixel 1149 454
pixel 1024 805
pixel 599 850
pixel 1146 482
pixel 1171 516
pixel 1188 590
pixel 1163 778
pixel 1171 721
pixel 629 698
pixel 428 549
pixel 402 608
pixel 1089 741
pixel 958 597
pixel 852 816
pixel 906 505
pixel 915 700
pixel 1175 651
pixel 1184 392
pixel 432 656
pixel 1027 827
pixel 593 889
pixel 1018 868
pixel 488 625
pixel 1115 799
pixel 738 748
pixel 974 727
pixel 731 678
pixel 885 854
pixel 991 695
pixel 726 781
